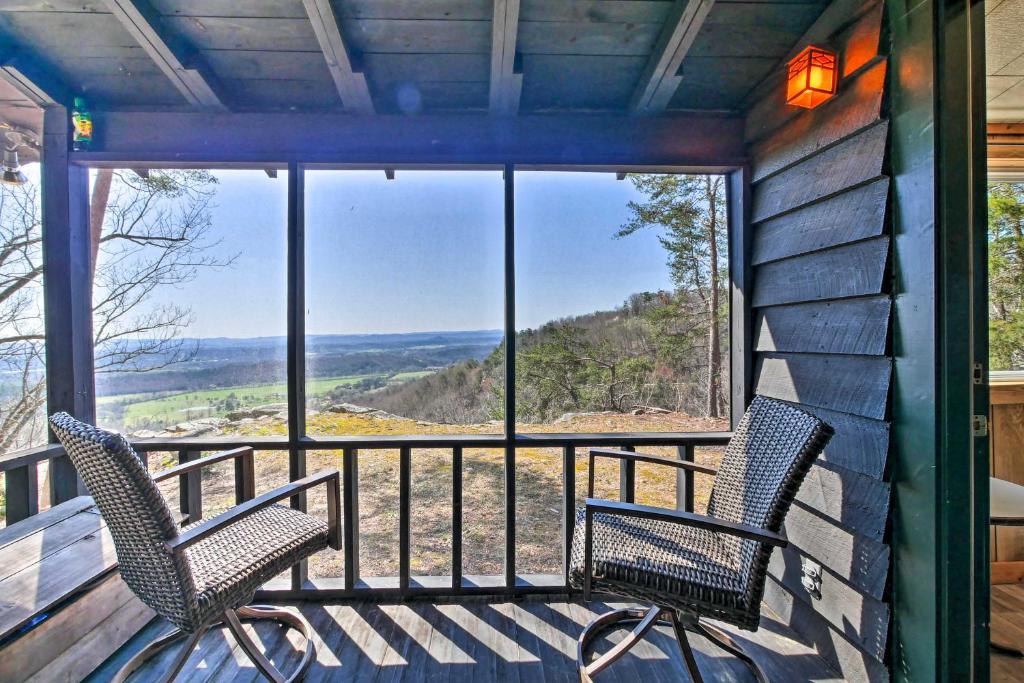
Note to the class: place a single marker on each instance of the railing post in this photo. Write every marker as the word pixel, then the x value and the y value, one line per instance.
pixel 350 500
pixel 21 492
pixel 568 505
pixel 627 478
pixel 245 477
pixel 457 518
pixel 190 489
pixel 684 480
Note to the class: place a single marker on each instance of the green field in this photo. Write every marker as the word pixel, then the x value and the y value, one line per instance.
pixel 142 409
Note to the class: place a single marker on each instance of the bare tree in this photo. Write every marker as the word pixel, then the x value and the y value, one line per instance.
pixel 148 233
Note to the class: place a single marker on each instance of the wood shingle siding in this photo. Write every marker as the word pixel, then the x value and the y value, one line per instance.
pixel 821 335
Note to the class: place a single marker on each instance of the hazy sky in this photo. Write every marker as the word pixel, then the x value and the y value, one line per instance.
pixel 422 252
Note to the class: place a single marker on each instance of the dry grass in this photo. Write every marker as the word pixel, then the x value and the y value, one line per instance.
pixel 538 491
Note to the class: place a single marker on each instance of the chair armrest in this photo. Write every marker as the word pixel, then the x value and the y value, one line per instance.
pixel 193 465
pixel 329 477
pixel 686 518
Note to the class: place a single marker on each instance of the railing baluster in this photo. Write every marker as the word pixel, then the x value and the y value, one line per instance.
pixel 404 493
pixel 21 492
pixel 245 477
pixel 627 478
pixel 457 518
pixel 510 517
pixel 568 505
pixel 684 480
pixel 350 500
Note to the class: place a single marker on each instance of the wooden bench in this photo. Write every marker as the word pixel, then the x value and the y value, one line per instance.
pixel 63 606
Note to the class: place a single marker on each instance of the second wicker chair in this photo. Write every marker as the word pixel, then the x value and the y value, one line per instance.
pixel 695 566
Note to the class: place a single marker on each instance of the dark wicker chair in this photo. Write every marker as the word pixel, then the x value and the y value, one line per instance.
pixel 204 574
pixel 688 565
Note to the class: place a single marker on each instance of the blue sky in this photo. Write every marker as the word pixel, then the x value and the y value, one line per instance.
pixel 422 252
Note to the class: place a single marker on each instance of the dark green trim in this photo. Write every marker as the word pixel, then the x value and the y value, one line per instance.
pixel 934 453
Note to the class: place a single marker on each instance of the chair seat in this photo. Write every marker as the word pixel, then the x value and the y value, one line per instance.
pixel 676 566
pixel 231 564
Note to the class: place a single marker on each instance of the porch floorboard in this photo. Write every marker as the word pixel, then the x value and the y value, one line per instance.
pixel 475 639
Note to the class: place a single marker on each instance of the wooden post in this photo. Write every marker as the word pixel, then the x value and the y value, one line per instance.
pixel 67 292
pixel 296 345
pixel 741 371
pixel 684 480
pixel 22 492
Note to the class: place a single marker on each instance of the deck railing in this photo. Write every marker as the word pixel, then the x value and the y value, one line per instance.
pixel 21 474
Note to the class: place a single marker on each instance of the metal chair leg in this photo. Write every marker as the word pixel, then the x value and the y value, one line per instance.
pixel 721 639
pixel 647 618
pixel 156 647
pixel 232 619
pixel 680 629
pixel 256 612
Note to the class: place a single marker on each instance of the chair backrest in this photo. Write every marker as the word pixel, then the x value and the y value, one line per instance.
pixel 136 515
pixel 771 451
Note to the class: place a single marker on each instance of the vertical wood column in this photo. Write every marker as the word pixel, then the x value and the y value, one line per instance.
pixel 510 377
pixel 67 291
pixel 296 362
pixel 741 371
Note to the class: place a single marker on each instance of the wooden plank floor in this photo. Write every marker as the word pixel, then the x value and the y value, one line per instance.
pixel 469 640
pixel 1008 627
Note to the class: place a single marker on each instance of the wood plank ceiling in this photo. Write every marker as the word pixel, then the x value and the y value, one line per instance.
pixel 406 56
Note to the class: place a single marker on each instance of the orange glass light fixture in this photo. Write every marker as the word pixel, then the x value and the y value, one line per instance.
pixel 811 77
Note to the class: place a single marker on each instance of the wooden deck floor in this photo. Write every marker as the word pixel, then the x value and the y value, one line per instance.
pixel 471 640
pixel 1008 627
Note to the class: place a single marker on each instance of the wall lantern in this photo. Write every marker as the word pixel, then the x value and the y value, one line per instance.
pixel 811 77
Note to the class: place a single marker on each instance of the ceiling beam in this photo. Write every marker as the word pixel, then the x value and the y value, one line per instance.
pixel 613 143
pixel 177 60
pixel 661 77
pixel 32 78
pixel 1006 147
pixel 506 76
pixel 351 85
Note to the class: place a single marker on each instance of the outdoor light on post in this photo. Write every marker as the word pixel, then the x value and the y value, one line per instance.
pixel 811 77
pixel 12 174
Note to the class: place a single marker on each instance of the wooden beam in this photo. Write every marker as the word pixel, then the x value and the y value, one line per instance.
pixel 506 77
pixel 155 139
pixel 178 61
pixel 271 172
pixel 389 173
pixel 661 77
pixel 355 94
pixel 29 75
pixel 1006 146
pixel 67 291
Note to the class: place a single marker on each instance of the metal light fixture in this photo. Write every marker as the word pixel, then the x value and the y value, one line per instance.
pixel 811 77
pixel 12 174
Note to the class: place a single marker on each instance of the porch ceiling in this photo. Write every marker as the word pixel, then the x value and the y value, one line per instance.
pixel 1004 56
pixel 399 56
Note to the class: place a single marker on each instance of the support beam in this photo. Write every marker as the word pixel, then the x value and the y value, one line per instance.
pixel 355 94
pixel 67 292
pixel 271 172
pixel 661 77
pixel 389 173
pixel 506 76
pixel 30 76
pixel 677 143
pixel 178 61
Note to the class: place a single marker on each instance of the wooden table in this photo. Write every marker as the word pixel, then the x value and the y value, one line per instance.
pixel 1006 508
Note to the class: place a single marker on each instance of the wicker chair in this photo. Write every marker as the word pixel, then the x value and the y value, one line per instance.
pixel 204 574
pixel 692 566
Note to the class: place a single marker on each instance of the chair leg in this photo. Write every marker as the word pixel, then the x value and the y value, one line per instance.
pixel 233 620
pixel 156 647
pixel 721 639
pixel 647 618
pixel 680 628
